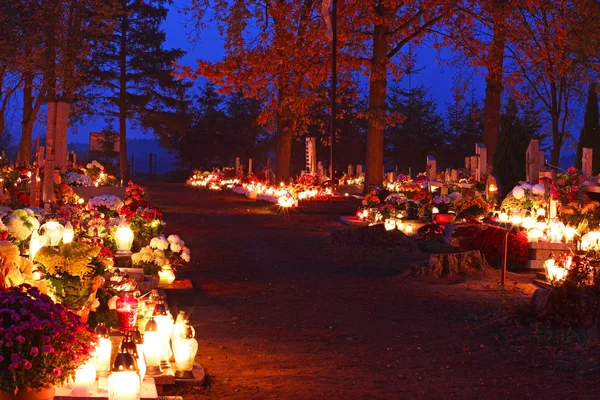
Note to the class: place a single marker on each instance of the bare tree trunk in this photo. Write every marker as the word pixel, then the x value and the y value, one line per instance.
pixel 492 105
pixel 377 108
pixel 283 138
pixel 31 107
pixel 50 84
pixel 557 141
pixel 123 165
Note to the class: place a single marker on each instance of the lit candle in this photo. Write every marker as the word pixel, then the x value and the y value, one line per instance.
pixel 124 383
pixel 152 347
pixel 166 276
pixel 35 244
pixel 68 233
pixel 85 378
pixel 103 350
pixel 570 233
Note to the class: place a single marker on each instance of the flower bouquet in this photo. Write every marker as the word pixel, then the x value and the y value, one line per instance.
pixel 371 200
pixel 76 179
pixel 106 203
pixel 43 343
pixel 76 272
pixel 525 197
pixel 474 206
pixel 21 223
pixel 94 170
pixel 162 252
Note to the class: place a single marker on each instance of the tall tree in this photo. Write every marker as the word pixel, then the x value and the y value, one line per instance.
pixel 590 133
pixel 133 73
pixel 379 31
pixel 421 132
pixel 464 128
pixel 275 54
pixel 543 61
pixel 509 160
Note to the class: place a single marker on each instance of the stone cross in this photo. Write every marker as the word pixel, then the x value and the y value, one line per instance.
pixel 532 161
pixel 350 170
pixel 586 162
pixel 482 166
pixel 431 168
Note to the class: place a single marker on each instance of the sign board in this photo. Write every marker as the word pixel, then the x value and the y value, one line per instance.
pixel 98 138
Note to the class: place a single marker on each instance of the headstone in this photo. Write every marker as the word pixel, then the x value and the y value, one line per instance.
pixel 390 177
pixel 431 168
pixel 447 175
pixel 454 176
pixel 482 166
pixel 359 170
pixel 239 170
pixel 444 190
pixel 311 155
pixel 468 163
pixel 586 162
pixel 250 166
pixel 532 161
pixel 473 164
pixel 350 170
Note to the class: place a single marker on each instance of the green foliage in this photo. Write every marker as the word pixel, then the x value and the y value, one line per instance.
pixel 509 159
pixel 590 133
pixel 421 133
pixel 464 128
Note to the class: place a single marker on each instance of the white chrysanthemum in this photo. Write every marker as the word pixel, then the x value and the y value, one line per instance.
pixel 161 261
pixel 174 239
pixel 136 258
pixel 159 243
pixel 185 257
pixel 526 186
pixel 159 253
pixel 518 192
pixel 539 189
pixel 147 257
pixel 175 247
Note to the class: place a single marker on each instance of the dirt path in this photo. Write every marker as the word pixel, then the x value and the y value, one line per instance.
pixel 280 314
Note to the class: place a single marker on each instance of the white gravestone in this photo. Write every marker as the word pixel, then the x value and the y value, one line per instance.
pixel 431 168
pixel 482 166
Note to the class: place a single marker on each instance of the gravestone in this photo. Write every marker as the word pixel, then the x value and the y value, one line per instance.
pixel 431 168
pixel 350 170
pixel 532 160
pixel 586 162
pixel 468 163
pixel 454 176
pixel 249 166
pixel 359 170
pixel 311 155
pixel 238 167
pixel 320 169
pixel 473 164
pixel 482 165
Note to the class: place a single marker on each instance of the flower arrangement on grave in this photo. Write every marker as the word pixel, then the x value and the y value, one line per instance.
pixel 572 201
pixel 64 193
pixel 387 211
pixel 443 204
pixel 77 179
pixel 38 352
pixel 162 251
pixel 473 206
pixel 17 198
pixel 371 200
pixel 351 180
pixel 107 204
pixel 525 197
pixel 76 272
pixel 20 224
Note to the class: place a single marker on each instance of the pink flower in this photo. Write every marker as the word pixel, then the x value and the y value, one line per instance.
pixel 15 357
pixel 34 352
pixel 26 364
pixel 56 372
pixel 20 339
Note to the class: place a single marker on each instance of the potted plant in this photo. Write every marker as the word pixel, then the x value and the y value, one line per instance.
pixel 43 344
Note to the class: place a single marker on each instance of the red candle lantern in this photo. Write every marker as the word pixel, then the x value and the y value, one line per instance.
pixel 127 309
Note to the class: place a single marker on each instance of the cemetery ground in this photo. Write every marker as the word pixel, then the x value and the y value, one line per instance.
pixel 282 314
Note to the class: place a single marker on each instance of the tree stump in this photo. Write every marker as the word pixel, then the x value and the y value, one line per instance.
pixel 449 264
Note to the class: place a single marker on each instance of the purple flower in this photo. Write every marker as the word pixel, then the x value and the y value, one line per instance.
pixel 34 352
pixel 46 339
pixel 26 363
pixel 9 344
pixel 9 336
pixel 13 366
pixel 15 317
pixel 14 357
pixel 47 349
pixel 20 339
pixel 56 372
pixel 18 329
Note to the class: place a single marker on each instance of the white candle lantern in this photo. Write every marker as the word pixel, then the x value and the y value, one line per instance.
pixel 85 379
pixel 124 382
pixel 35 244
pixel 54 231
pixel 503 217
pixel 570 233
pixel 152 347
pixel 128 345
pixel 389 224
pixel 124 238
pixel 166 276
pixel 138 339
pixel 103 350
pixel 185 348
pixel 68 233
pixel 164 320
pixel 528 222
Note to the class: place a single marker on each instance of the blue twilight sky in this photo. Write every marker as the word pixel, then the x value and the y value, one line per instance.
pixel 434 75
